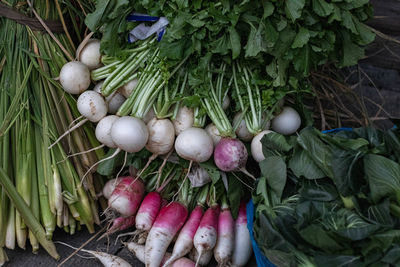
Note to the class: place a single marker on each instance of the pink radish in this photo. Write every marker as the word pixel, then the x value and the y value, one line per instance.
pixel 120 224
pixel 202 260
pixel 206 235
pixel 226 237
pixel 139 252
pixel 127 196
pixel 242 249
pixel 110 186
pixel 148 211
pixel 168 222
pixel 184 243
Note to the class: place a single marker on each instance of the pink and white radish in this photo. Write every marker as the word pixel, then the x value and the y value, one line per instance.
pixel 90 54
pixel 119 224
pixel 242 249
pixel 168 222
pixel 109 187
pixel 139 252
pixel 205 238
pixel 183 120
pixel 256 146
pixel 214 133
pixel 75 77
pixel 184 243
pixel 226 237
pixel 287 122
pixel 147 212
pixel 127 196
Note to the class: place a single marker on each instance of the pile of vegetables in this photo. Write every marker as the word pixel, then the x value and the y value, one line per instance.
pixel 40 188
pixel 330 199
pixel 176 117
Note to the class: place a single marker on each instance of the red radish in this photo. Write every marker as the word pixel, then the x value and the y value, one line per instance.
pixel 168 222
pixel 226 237
pixel 139 252
pixel 230 155
pixel 184 243
pixel 119 224
pixel 110 186
pixel 127 196
pixel 148 211
pixel 206 235
pixel 242 249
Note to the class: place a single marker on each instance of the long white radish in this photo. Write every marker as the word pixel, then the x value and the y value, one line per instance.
pixel 168 222
pixel 206 235
pixel 242 249
pixel 184 243
pixel 184 119
pixel 106 259
pixel 226 237
pixel 75 77
pixel 256 146
pixel 139 252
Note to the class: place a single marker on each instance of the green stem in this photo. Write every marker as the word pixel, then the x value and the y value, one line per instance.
pixel 27 215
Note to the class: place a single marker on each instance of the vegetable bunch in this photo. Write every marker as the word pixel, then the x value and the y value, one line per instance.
pixel 329 199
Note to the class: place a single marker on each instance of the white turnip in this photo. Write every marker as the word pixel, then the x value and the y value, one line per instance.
pixel 90 54
pixel 75 77
pixel 194 144
pixel 129 134
pixel 256 146
pixel 184 119
pixel 287 122
pixel 103 130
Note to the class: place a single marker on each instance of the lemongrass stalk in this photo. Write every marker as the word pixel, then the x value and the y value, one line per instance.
pixel 34 207
pixel 57 194
pixel 3 257
pixel 47 217
pixel 21 232
pixel 72 225
pixel 10 229
pixel 27 215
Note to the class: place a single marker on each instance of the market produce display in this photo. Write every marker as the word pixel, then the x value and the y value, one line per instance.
pixel 172 115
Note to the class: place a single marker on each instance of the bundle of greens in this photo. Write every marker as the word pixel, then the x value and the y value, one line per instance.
pixel 330 199
pixel 285 39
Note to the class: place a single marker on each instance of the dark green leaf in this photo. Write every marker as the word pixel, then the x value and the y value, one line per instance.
pixel 93 19
pixel 322 8
pixel 302 165
pixel 235 193
pixel 107 167
pixel 293 8
pixel 274 169
pixel 329 260
pixel 274 141
pixel 392 256
pixel 302 38
pixel 316 236
pixel 383 176
pixel 318 191
pixel 235 42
